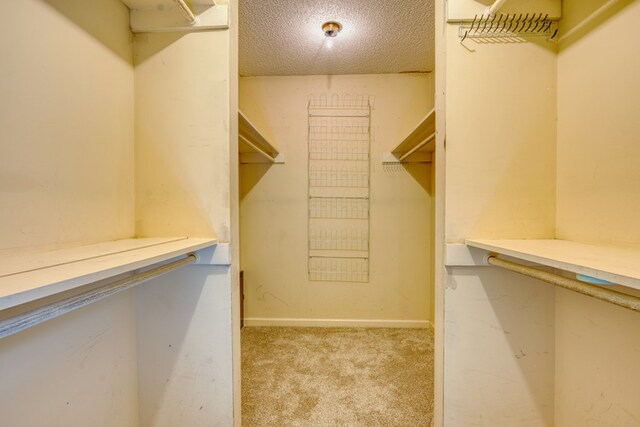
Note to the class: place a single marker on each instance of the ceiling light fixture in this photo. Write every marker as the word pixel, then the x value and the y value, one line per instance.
pixel 331 28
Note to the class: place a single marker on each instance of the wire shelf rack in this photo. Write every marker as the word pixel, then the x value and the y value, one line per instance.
pixel 339 269
pixel 332 239
pixel 338 182
pixel 508 27
pixel 338 208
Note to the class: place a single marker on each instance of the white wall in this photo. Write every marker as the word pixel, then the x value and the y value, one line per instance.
pixel 66 175
pixel 182 134
pixel 76 370
pixel 597 344
pixel 274 208
pixel 185 349
pixel 598 122
pixel 66 122
pixel 499 183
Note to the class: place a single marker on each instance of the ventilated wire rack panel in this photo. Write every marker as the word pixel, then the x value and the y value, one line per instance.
pixel 339 269
pixel 339 239
pixel 338 208
pixel 339 143
pixel 339 102
pixel 334 149
pixel 335 173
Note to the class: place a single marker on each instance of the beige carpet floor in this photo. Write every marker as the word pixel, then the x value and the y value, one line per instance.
pixel 326 377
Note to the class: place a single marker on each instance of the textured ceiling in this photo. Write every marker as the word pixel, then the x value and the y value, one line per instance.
pixel 284 37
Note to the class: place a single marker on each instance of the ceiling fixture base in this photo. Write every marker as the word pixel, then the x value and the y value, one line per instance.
pixel 331 28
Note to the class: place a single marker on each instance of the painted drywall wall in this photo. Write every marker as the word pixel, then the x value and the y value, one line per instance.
pixel 274 208
pixel 499 349
pixel 66 123
pixel 499 183
pixel 66 169
pixel 500 139
pixel 597 350
pixel 187 367
pixel 76 370
pixel 597 344
pixel 182 134
pixel 185 350
pixel 598 150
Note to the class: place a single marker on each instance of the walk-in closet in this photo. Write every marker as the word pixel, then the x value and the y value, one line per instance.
pixel 291 212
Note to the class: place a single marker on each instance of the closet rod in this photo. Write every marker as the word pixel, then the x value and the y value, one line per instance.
pixel 417 147
pixel 50 311
pixel 491 10
pixel 608 295
pixel 185 9
pixel 258 149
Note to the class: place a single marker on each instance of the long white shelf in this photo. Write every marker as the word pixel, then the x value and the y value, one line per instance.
pixel 253 146
pixel 150 16
pixel 418 145
pixel 613 264
pixel 29 275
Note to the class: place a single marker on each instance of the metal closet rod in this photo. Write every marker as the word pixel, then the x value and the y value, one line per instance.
pixel 50 311
pixel 417 147
pixel 608 295
pixel 258 149
pixel 493 9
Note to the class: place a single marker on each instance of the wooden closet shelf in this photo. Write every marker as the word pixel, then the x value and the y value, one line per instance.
pixel 28 275
pixel 253 146
pixel 148 16
pixel 617 265
pixel 419 144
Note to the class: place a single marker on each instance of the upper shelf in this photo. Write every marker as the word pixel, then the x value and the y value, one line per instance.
pixel 419 144
pixel 149 16
pixel 33 274
pixel 254 148
pixel 614 264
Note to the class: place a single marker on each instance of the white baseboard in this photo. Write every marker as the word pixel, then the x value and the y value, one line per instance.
pixel 338 323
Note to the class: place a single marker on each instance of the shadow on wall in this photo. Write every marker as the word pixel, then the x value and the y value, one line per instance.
pixel 90 16
pixel 250 175
pixel 421 173
pixel 181 344
pixel 510 352
pixel 168 201
pixel 146 48
pixel 525 311
pixel 75 369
